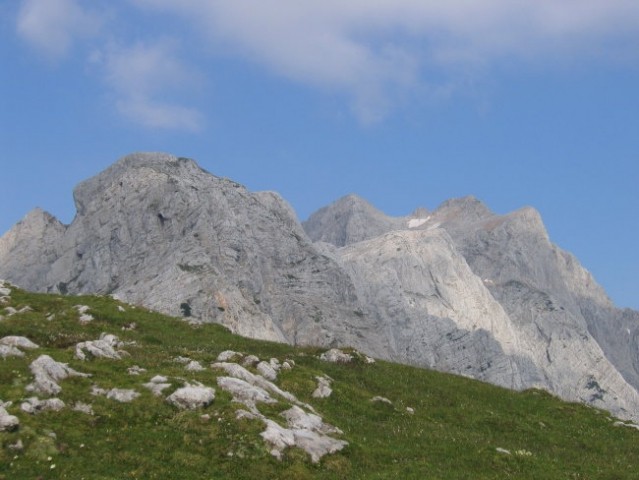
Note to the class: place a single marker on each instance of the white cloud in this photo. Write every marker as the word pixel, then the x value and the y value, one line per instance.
pixel 52 25
pixel 371 49
pixel 142 76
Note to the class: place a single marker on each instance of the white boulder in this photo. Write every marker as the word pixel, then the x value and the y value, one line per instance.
pixel 48 373
pixel 192 396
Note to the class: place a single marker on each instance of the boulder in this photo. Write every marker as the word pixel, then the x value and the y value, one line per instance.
pixel 48 373
pixel 34 405
pixel 244 393
pixel 335 355
pixel 8 422
pixel 323 389
pixel 192 397
pixel 19 342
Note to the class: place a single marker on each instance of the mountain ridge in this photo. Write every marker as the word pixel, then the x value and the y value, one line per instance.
pixel 459 289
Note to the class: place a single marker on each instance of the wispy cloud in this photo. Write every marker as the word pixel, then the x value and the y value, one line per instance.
pixel 372 52
pixel 142 76
pixel 371 49
pixel 51 26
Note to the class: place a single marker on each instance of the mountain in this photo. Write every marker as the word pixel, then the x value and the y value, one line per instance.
pixel 459 289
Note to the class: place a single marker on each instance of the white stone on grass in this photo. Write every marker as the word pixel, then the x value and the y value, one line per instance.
pixel 244 393
pixel 335 355
pixel 19 342
pixel 34 405
pixel 237 371
pixel 135 370
pixel 104 347
pixel 227 355
pixel 48 373
pixel 323 389
pixel 194 366
pixel 192 396
pixel 267 371
pixel 9 351
pixel 248 361
pixel 381 399
pixel 8 422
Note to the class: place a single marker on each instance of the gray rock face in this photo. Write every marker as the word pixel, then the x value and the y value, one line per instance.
pixel 467 291
pixel 7 422
pixel 159 231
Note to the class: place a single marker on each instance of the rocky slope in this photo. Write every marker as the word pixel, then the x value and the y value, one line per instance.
pixel 459 289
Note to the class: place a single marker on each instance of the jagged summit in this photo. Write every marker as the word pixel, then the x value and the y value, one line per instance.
pixel 348 220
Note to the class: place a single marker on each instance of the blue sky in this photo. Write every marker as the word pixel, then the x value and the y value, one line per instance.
pixel 404 102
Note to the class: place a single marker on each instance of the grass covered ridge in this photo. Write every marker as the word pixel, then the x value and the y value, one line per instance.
pixel 454 433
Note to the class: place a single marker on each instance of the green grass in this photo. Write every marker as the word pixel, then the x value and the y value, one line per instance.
pixel 457 425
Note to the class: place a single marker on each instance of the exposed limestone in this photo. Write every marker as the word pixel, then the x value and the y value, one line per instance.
pixel 267 371
pixel 237 371
pixel 157 385
pixel 323 389
pixel 10 351
pixel 244 393
pixel 249 360
pixel 335 355
pixel 135 370
pixel 84 317
pixel 192 396
pixel 34 405
pixel 306 431
pixel 83 408
pixel 48 373
pixel 227 355
pixel 7 422
pixel 104 347
pixel 194 366
pixel 377 398
pixel 19 342
pixel 121 395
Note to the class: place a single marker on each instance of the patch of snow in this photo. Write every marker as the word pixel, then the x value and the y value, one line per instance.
pixel 417 222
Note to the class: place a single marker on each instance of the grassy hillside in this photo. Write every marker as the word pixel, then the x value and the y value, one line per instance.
pixel 454 433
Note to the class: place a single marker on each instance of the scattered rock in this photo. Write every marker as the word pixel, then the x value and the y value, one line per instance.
pixel 381 399
pixel 323 389
pixel 136 370
pixel 34 405
pixel 227 355
pixel 105 347
pixel 8 422
pixel 16 447
pixel 244 393
pixel 51 317
pixel 248 361
pixel 118 394
pixel 503 450
pixel 267 371
pixel 305 432
pixel 48 372
pixel 194 366
pixel 298 419
pixel 83 408
pixel 335 355
pixel 286 366
pixel 9 351
pixel 192 396
pixel 237 371
pixel 121 308
pixel 129 326
pixel 10 311
pixel 122 395
pixel 410 410
pixel 4 291
pixel 19 342
pixel 157 385
pixel 183 360
pixel 623 424
pixel 84 316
